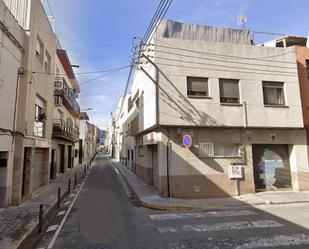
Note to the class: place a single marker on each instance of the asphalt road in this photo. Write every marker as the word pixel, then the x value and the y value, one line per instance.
pixel 103 217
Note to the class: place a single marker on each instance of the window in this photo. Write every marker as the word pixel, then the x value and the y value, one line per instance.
pixel 273 93
pixel 47 62
pixel 4 155
pixel 307 68
pixel 218 150
pixel 39 49
pixel 58 100
pixel 39 117
pixel 229 91
pixel 197 86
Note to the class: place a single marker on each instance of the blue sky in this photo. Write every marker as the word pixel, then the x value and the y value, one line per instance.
pixel 103 32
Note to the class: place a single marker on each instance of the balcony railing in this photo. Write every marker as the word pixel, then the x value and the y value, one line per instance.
pixel 63 130
pixel 62 86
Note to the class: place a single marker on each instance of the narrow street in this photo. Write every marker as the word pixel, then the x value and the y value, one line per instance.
pixel 103 217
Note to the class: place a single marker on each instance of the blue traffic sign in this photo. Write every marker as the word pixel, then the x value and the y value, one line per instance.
pixel 187 141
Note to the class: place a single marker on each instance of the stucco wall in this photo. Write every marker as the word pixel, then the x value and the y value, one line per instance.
pixel 193 176
pixel 249 64
pixel 302 56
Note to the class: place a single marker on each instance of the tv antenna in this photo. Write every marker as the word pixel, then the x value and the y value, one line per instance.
pixel 241 20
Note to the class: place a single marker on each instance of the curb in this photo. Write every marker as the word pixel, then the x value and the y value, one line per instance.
pixel 32 236
pixel 165 207
pixel 156 206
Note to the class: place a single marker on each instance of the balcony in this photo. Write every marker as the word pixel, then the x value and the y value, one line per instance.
pixel 62 130
pixel 68 96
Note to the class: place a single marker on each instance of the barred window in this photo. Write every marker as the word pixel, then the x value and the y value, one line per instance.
pixel 218 150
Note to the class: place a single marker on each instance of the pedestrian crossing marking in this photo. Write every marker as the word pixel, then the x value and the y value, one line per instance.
pixel 175 216
pixel 276 241
pixel 280 240
pixel 52 228
pixel 67 203
pixel 238 225
pixel 61 213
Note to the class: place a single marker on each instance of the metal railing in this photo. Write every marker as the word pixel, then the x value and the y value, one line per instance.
pixel 61 85
pixel 70 131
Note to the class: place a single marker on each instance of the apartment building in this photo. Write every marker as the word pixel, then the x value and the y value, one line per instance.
pixel 11 70
pixel 214 115
pixel 88 139
pixel 35 100
pixel 65 149
pixel 302 56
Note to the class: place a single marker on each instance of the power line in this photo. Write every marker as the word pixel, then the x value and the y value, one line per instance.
pixel 92 55
pixel 223 70
pixel 161 18
pixel 224 60
pixel 83 73
pixel 126 89
pixel 91 43
pixel 152 22
pixel 226 66
pixel 261 58
pixel 156 20
pixel 101 76
pixel 49 6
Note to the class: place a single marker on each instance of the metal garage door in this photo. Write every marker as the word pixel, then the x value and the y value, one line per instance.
pixel 38 168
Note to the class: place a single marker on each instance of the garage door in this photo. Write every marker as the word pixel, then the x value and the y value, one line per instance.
pixel 38 168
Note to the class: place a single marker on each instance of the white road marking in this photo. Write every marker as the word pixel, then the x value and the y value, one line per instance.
pixel 52 228
pixel 66 203
pixel 71 195
pixel 176 246
pixel 52 242
pixel 238 225
pixel 175 216
pixel 61 213
pixel 276 241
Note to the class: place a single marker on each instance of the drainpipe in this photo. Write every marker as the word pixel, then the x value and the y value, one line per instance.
pixel 245 126
pixel 243 137
pixel 20 72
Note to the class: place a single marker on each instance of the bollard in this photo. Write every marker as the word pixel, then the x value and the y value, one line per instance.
pixel 59 197
pixel 41 213
pixel 75 179
pixel 85 169
pixel 69 186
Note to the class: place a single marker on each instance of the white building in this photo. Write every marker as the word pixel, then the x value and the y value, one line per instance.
pixel 239 103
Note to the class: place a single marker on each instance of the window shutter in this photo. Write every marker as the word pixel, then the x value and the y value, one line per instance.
pixel 229 88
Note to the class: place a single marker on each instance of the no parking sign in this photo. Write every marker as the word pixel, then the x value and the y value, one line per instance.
pixel 187 141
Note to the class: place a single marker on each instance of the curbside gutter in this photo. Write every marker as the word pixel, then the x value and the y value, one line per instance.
pixel 163 207
pixel 149 199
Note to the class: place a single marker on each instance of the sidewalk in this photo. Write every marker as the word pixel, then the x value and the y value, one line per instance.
pixel 18 223
pixel 148 197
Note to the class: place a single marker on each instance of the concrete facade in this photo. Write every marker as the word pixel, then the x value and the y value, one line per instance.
pixel 166 112
pixel 11 51
pixel 65 135
pixel 35 105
